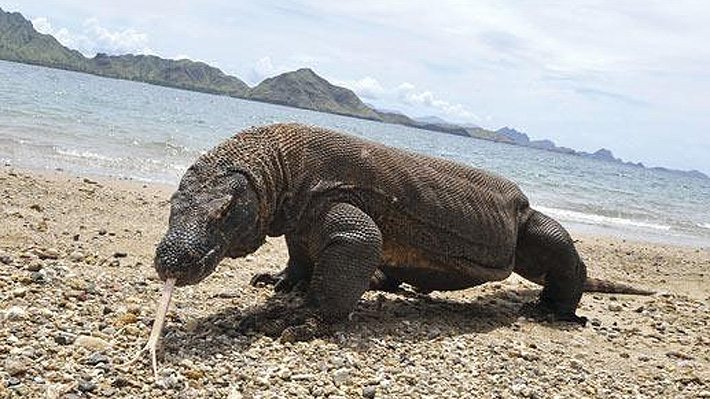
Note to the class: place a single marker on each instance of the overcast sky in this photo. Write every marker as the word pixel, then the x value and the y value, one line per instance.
pixel 631 76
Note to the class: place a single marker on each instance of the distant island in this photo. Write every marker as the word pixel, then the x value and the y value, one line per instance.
pixel 303 88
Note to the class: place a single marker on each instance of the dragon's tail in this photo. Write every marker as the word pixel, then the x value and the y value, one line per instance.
pixel 611 287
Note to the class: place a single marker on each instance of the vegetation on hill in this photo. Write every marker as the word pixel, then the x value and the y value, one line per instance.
pixel 304 89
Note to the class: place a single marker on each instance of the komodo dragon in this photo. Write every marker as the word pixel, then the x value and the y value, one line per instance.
pixel 359 215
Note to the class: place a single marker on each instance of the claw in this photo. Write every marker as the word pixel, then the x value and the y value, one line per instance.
pixel 265 278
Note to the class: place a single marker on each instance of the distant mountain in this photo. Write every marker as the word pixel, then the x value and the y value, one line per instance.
pixel 433 119
pixel 183 74
pixel 20 42
pixel 304 89
pixel 514 136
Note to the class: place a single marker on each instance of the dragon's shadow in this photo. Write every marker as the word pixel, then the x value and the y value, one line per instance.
pixel 405 317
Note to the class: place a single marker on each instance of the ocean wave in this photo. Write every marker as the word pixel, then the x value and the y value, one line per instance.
pixel 120 163
pixel 704 225
pixel 86 155
pixel 590 218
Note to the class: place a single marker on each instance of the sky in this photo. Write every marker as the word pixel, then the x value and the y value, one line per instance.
pixel 630 76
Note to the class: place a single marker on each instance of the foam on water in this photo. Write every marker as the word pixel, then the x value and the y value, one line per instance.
pixel 580 217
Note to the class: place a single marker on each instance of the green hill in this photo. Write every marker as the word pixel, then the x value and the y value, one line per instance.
pixel 20 42
pixel 304 89
pixel 183 74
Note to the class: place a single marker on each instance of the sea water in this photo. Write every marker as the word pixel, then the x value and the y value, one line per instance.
pixel 86 124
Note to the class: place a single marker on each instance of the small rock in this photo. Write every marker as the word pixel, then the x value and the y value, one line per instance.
pixel 14 313
pixel 76 256
pixel 64 338
pixel 89 342
pixel 34 266
pixel 614 307
pixel 38 278
pixel 87 386
pixel 12 381
pixel 48 253
pixel 17 366
pixel 341 376
pixel 102 232
pixel 679 355
pixel 194 374
pixel 433 332
pixel 19 292
pixel 369 391
pixel 96 358
pixel 5 259
pixel 121 382
pixel 119 254
pixel 36 207
pixel 77 283
pixel 126 318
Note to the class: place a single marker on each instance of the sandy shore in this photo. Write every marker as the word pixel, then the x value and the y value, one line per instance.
pixel 78 292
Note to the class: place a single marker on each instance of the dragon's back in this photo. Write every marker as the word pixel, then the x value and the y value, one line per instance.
pixel 441 207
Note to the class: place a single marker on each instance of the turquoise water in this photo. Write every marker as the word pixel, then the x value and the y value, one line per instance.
pixel 90 125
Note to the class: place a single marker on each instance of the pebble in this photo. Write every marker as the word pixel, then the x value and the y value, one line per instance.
pixel 433 332
pixel 77 283
pixel 614 307
pixel 96 358
pixel 341 376
pixel 369 391
pixel 16 366
pixel 15 313
pixel 64 338
pixel 48 253
pixel 76 256
pixel 34 266
pixel 89 342
pixel 87 386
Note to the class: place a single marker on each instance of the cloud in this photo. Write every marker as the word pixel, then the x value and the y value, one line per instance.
pixel 95 38
pixel 367 87
pixel 406 96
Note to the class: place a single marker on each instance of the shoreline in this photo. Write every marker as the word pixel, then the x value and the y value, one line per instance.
pixel 78 294
pixel 575 228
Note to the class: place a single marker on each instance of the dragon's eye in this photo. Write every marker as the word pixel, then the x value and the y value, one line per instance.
pixel 217 208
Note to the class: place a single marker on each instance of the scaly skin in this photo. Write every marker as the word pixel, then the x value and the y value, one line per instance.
pixel 359 215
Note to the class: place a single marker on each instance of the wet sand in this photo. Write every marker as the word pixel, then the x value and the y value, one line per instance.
pixel 78 293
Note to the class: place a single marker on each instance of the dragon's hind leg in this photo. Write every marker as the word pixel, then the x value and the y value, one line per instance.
pixel 545 254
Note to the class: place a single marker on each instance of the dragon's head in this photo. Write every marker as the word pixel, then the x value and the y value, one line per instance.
pixel 212 215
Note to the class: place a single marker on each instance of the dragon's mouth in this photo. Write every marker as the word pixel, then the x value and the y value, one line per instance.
pixel 205 266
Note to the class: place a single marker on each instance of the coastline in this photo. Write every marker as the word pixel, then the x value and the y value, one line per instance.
pixel 78 297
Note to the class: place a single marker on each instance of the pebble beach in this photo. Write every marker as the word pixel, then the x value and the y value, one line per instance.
pixel 78 294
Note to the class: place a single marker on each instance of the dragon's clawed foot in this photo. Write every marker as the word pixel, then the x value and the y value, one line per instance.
pixel 543 311
pixel 281 282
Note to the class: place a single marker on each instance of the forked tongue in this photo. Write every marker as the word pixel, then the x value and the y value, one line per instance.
pixel 160 313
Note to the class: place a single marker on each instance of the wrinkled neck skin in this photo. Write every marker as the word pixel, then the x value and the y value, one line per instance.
pixel 226 204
